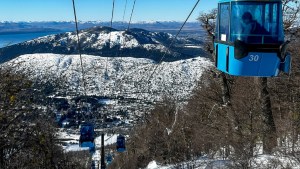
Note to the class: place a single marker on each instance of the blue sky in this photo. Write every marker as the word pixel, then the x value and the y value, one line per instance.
pixel 92 10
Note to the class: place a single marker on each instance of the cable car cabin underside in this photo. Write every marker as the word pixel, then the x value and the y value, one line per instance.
pixel 249 38
pixel 87 136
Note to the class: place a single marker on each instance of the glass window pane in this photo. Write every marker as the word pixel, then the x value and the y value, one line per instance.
pixel 224 22
pixel 217 29
pixel 255 22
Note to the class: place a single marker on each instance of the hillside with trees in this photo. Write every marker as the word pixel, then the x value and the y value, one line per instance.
pixel 234 120
pixel 28 134
pixel 227 117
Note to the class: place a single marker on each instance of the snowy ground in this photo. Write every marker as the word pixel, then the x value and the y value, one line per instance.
pixel 128 77
pixel 277 160
pixel 71 138
pixel 95 39
pixel 258 162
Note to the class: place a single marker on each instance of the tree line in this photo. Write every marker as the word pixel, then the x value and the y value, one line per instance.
pixel 28 135
pixel 226 116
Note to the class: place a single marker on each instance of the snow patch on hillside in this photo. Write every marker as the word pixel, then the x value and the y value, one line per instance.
pixel 126 77
pixel 95 39
pixel 71 138
pixel 257 162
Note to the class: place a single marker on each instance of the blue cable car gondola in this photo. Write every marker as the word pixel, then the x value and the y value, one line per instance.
pixel 121 143
pixel 87 136
pixel 249 38
pixel 109 159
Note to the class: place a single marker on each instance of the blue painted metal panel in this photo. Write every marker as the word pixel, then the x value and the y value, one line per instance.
pixel 269 65
pixel 87 136
pixel 121 150
pixel 222 57
pixel 121 147
pixel 242 66
pixel 90 145
pixel 87 132
pixel 254 64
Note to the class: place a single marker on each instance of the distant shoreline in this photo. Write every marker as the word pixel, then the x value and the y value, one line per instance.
pixel 33 27
pixel 14 37
pixel 29 32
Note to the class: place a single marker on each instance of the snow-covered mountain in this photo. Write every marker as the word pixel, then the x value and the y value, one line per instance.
pixel 108 42
pixel 126 77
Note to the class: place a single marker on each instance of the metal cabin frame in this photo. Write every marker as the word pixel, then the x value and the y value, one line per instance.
pixel 230 56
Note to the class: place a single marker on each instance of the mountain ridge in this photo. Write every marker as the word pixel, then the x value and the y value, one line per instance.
pixel 107 42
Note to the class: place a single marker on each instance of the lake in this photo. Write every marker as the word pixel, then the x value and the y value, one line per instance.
pixel 10 39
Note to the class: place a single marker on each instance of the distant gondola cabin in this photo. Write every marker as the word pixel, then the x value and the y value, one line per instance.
pixel 121 143
pixel 87 136
pixel 249 38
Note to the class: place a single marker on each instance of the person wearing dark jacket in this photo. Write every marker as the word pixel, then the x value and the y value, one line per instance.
pixel 252 29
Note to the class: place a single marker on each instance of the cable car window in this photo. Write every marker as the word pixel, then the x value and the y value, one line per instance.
pixel 217 29
pixel 224 21
pixel 256 22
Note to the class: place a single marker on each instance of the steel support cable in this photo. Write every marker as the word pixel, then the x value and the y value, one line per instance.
pixel 172 42
pixel 152 74
pixel 112 14
pixel 125 8
pixel 79 47
pixel 123 44
pixel 131 15
pixel 80 56
pixel 128 27
pixel 111 24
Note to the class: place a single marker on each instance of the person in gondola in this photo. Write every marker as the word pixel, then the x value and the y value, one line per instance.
pixel 252 29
